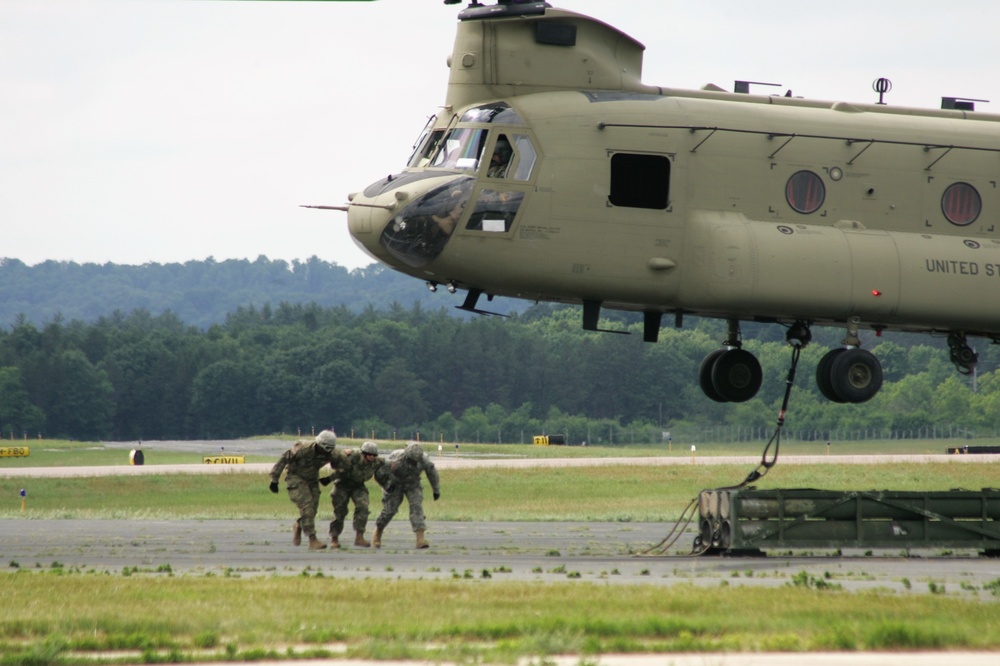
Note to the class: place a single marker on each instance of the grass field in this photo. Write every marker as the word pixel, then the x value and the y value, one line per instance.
pixel 62 617
pixel 639 492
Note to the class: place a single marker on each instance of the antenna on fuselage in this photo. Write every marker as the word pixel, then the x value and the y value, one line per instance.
pixel 743 87
pixel 882 85
pixel 961 103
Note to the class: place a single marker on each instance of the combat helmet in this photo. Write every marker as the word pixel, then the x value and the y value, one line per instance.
pixel 370 448
pixel 414 451
pixel 327 439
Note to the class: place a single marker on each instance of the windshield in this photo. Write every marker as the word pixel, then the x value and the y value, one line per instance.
pixel 461 149
pixel 425 143
pixel 499 112
pixel 418 232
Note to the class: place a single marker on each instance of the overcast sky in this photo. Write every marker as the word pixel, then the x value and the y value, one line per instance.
pixel 137 131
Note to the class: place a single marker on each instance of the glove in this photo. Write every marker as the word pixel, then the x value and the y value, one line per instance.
pixel 274 487
pixel 437 496
pixel 326 480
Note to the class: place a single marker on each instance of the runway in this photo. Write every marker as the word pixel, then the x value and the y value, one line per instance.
pixel 443 457
pixel 569 553
pixel 601 553
pixel 572 552
pixel 605 552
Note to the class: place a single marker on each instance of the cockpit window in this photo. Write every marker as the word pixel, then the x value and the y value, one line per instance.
pixel 503 153
pixel 495 211
pixel 461 149
pixel 525 157
pixel 513 157
pixel 421 148
pixel 498 112
pixel 425 147
pixel 417 234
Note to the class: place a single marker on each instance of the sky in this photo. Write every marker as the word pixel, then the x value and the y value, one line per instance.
pixel 140 131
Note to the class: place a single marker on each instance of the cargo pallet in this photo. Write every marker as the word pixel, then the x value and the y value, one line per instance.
pixel 747 521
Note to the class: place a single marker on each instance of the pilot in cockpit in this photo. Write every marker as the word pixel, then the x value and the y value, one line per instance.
pixel 454 206
pixel 502 153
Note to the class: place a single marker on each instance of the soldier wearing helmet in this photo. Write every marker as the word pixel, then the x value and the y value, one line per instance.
pixel 354 469
pixel 500 160
pixel 303 462
pixel 400 477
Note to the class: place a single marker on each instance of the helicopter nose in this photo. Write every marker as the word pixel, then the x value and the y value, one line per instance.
pixel 408 221
pixel 367 216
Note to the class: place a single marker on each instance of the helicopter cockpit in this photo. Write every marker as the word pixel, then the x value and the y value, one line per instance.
pixel 417 233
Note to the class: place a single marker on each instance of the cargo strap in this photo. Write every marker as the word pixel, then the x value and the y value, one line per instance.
pixel 765 464
pixel 762 468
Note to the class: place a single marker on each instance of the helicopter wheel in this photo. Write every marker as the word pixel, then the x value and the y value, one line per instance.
pixel 705 375
pixel 730 375
pixel 823 379
pixel 854 375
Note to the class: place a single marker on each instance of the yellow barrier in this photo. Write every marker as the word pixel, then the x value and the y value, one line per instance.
pixel 14 451
pixel 224 460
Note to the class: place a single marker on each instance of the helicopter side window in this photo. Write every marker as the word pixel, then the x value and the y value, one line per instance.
pixel 961 204
pixel 640 181
pixel 805 192
pixel 513 157
pixel 460 149
pixel 526 157
pixel 495 211
pixel 502 155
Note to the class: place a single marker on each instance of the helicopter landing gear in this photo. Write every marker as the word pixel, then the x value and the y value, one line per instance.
pixel 849 374
pixel 731 374
pixel 962 355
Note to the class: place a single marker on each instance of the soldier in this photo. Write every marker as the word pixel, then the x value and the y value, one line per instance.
pixel 304 461
pixel 401 476
pixel 353 469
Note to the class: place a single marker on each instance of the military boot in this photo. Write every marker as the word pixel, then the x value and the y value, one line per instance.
pixel 359 540
pixel 377 539
pixel 420 539
pixel 334 542
pixel 315 544
pixel 296 534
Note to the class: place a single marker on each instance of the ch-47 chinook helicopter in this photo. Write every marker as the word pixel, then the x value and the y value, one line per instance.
pixel 554 174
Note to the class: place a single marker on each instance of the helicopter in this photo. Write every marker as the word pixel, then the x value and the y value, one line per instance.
pixel 552 173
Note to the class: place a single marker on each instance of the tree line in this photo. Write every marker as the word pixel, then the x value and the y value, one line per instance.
pixel 411 372
pixel 200 293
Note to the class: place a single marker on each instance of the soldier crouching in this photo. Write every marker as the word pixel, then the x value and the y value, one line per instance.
pixel 400 477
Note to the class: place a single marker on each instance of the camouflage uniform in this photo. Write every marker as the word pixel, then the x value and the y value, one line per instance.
pixel 401 476
pixel 303 462
pixel 352 471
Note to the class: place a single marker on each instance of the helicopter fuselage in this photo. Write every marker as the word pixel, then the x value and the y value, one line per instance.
pixel 704 202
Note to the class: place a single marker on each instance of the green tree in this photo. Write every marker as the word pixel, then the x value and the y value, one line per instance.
pixel 224 401
pixel 400 394
pixel 17 415
pixel 80 399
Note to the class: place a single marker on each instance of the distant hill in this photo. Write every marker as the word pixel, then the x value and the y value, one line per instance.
pixel 202 293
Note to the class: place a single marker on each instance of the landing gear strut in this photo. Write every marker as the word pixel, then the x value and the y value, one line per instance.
pixel 731 374
pixel 849 374
pixel 962 355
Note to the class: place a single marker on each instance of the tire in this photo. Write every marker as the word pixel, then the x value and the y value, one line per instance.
pixel 736 375
pixel 856 375
pixel 705 375
pixel 823 375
